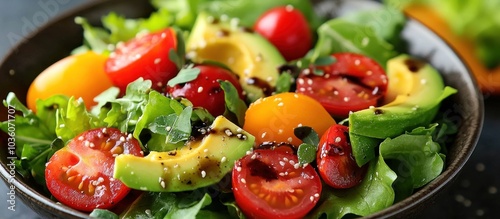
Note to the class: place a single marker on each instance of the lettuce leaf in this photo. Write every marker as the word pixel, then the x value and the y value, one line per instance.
pixel 246 11
pixel 353 33
pixel 373 194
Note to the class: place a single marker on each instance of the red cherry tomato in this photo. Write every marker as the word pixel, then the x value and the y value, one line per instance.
pixel 205 90
pixel 287 29
pixel 145 56
pixel 336 164
pixel 271 184
pixel 353 82
pixel 80 175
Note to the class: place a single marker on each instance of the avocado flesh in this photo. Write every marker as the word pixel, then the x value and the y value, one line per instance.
pixel 254 59
pixel 413 99
pixel 198 164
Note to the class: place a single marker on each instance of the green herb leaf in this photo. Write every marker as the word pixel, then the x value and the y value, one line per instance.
pixel 284 83
pixel 307 135
pixel 233 102
pixel 176 127
pixel 103 214
pixel 306 153
pixel 324 61
pixel 185 75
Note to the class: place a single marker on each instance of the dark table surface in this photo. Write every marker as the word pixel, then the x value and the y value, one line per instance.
pixel 473 195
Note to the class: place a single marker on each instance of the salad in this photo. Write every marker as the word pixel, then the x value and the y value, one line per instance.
pixel 244 109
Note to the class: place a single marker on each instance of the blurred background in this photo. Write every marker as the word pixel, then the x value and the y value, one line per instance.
pixel 475 192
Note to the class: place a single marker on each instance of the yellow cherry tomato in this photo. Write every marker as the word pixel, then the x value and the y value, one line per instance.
pixel 274 118
pixel 81 75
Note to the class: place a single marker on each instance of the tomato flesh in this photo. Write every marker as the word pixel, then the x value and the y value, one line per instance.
pixel 80 175
pixel 335 162
pixel 271 184
pixel 353 82
pixel 146 56
pixel 287 29
pixel 205 91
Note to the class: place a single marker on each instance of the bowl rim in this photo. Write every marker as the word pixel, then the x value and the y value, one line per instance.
pixel 427 192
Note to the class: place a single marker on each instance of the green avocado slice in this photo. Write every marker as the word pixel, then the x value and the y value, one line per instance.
pixel 254 59
pixel 415 92
pixel 198 164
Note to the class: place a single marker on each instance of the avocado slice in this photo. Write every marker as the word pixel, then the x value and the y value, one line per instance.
pixel 254 59
pixel 199 163
pixel 413 98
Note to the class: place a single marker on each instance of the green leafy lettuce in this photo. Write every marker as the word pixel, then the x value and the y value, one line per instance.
pixel 478 21
pixel 367 33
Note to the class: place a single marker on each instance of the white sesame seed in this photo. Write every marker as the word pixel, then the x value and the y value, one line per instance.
pixel 346 99
pixel 238 169
pixel 280 104
pixel 203 174
pixel 243 181
pixel 168 128
pixel 269 79
pixel 285 159
pixel 289 8
pixel 86 143
pixel 357 62
pixel 423 81
pixel 80 138
pixel 311 198
pixel 337 139
pixel 290 139
pixel 292 162
pixel 122 138
pixel 249 152
pixel 157 61
pixel 309 81
pixel 129 136
pixel 263 135
pixel 104 130
pixel 200 89
pixel 280 131
pixel 300 81
pixel 369 72
pixel 296 166
pixel 223 159
pixel 316 195
pixel 206 150
pixel 282 163
pixel 253 156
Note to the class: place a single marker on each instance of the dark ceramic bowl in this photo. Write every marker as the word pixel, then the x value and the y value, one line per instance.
pixel 55 40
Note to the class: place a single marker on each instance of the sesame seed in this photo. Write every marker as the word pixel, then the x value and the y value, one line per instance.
pixel 281 174
pixel 285 159
pixel 316 195
pixel 289 8
pixel 423 81
pixel 337 139
pixel 258 58
pixel 263 135
pixel 249 152
pixel 335 92
pixel 129 136
pixel 357 62
pixel 62 126
pixel 306 71
pixel 206 150
pixel 292 162
pixel 365 41
pixel 122 138
pixel 223 159
pixel 239 130
pixel 300 81
pixel 296 166
pixel 311 198
pixel 157 60
pixel 228 132
pixel 282 163
pixel 203 174
pixel 200 89
pixel 299 125
pixel 243 181
pixel 269 79
pixel 280 131
pixel 280 104
pixel 295 95
pixel 346 99
pixel 290 139
pixel 168 128
pixel 309 81
pixel 86 143
pixel 238 169
pixel 104 130
pixel 253 156
pixel 80 138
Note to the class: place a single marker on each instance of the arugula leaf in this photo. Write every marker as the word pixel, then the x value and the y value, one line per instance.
pixel 185 75
pixel 190 211
pixel 233 102
pixel 73 120
pixel 34 135
pixel 176 127
pixel 373 194
pixel 157 105
pixel 117 29
pixel 247 12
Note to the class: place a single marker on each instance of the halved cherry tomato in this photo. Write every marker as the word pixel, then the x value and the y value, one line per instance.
pixel 205 90
pixel 80 175
pixel 272 119
pixel 271 184
pixel 336 164
pixel 287 29
pixel 353 82
pixel 81 75
pixel 146 56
